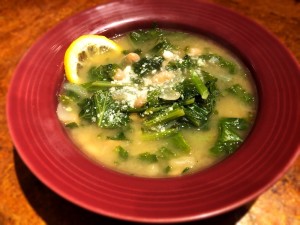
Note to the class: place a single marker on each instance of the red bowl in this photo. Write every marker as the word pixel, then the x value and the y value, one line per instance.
pixel 263 158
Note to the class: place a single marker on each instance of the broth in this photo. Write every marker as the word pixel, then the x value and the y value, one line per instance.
pixel 188 103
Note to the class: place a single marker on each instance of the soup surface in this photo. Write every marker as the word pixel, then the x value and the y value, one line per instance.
pixel 171 104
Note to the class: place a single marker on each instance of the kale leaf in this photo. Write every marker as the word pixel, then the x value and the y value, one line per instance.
pixel 103 110
pixel 161 46
pixel 102 72
pixel 146 65
pixel 184 65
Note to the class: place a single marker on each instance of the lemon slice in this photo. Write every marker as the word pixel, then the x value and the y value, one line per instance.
pixel 84 48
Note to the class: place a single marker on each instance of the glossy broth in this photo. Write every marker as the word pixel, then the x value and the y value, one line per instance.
pixel 162 157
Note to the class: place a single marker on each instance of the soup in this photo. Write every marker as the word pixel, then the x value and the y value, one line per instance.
pixel 172 103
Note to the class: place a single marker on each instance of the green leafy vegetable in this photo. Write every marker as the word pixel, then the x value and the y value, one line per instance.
pixel 197 115
pixel 148 157
pixel 71 125
pixel 103 110
pixel 103 72
pixel 241 93
pixel 161 46
pixel 123 154
pixel 100 85
pixel 153 98
pixel 72 93
pixel 120 136
pixel 87 110
pixel 184 65
pixel 109 114
pixel 229 139
pixel 150 136
pixel 137 51
pixel 185 170
pixel 142 35
pixel 170 114
pixel 146 65
pixel 180 143
pixel 165 153
pixel 167 169
pixel 200 86
pixel 219 60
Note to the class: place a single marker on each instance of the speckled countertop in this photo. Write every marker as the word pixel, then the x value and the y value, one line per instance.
pixel 24 200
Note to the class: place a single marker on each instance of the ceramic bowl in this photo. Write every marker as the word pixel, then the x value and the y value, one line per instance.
pixel 264 157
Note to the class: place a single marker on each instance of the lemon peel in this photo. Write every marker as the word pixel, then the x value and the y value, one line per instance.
pixel 82 49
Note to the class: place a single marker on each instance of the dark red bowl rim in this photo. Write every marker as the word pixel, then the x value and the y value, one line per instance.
pixel 264 157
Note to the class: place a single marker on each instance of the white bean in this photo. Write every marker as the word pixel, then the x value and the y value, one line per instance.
pixel 132 58
pixel 162 77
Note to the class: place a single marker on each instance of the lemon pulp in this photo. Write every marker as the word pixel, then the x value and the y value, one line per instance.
pixel 84 49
